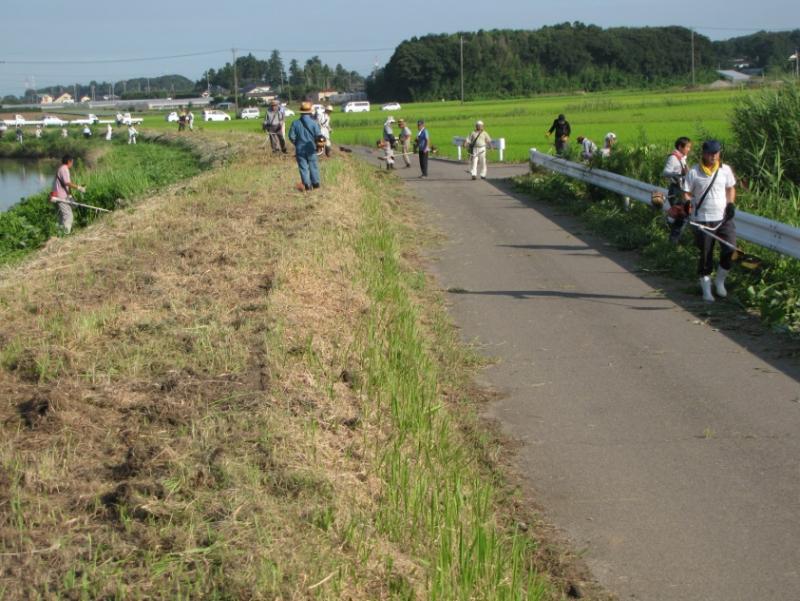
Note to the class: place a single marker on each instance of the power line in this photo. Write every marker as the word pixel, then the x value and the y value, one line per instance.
pixel 328 51
pixel 109 60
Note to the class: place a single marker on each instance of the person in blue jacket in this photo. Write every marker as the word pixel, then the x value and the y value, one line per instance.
pixel 303 134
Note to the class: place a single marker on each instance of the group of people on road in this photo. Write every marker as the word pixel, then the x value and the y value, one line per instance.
pixel 403 142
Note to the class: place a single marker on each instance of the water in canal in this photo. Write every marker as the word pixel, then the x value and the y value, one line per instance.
pixel 22 177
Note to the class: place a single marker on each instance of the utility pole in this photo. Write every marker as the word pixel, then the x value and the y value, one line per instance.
pixel 692 57
pixel 148 86
pixel 235 82
pixel 797 63
pixel 462 68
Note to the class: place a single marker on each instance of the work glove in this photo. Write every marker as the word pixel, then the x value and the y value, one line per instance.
pixel 82 189
pixel 730 210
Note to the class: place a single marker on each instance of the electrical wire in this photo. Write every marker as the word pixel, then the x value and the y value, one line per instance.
pixel 109 60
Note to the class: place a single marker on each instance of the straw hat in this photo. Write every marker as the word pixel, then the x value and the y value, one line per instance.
pixel 305 107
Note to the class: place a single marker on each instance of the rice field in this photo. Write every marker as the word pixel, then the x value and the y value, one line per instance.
pixel 655 117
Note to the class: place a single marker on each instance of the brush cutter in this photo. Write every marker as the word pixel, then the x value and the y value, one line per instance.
pixel 71 201
pixel 748 261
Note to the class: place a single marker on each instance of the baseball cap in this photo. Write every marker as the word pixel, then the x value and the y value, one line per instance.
pixel 712 146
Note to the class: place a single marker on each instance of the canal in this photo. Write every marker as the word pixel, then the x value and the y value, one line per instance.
pixel 23 177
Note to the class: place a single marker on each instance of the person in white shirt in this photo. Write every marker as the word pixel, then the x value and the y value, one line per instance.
pixel 675 171
pixel 608 142
pixel 711 187
pixel 476 143
pixel 109 131
pixel 588 148
pixel 324 121
pixel 64 132
pixel 132 134
pixel 38 131
pixel 405 141
pixel 87 132
pixel 190 120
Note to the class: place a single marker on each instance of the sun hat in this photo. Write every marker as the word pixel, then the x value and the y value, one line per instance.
pixel 329 108
pixel 305 107
pixel 479 122
pixel 712 147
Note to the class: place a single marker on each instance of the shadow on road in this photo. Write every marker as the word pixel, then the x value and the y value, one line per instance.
pixel 727 317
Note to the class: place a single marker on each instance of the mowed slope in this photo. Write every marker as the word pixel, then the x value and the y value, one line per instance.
pixel 233 391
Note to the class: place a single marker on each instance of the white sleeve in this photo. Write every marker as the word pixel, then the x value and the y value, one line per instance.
pixel 688 182
pixel 730 179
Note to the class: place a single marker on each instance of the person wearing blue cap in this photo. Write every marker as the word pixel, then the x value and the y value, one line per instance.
pixel 711 188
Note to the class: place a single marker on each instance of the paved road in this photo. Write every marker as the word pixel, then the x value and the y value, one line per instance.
pixel 665 449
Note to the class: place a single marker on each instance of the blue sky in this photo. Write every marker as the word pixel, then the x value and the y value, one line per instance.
pixel 356 34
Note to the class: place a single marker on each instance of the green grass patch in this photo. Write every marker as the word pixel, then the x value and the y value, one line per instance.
pixel 122 173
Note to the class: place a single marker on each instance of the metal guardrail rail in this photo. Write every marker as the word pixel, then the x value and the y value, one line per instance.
pixel 780 237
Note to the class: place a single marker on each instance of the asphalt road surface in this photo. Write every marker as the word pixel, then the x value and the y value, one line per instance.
pixel 660 436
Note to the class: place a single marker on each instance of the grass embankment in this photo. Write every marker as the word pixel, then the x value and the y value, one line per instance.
pixel 655 116
pixel 238 391
pixel 114 174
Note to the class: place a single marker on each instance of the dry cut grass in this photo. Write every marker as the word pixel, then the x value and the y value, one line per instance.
pixel 180 415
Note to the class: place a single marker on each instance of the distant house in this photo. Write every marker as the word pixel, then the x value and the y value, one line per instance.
pixel 45 99
pixel 325 95
pixel 65 98
pixel 260 92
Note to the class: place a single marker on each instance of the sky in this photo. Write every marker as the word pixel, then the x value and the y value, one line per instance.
pixel 358 35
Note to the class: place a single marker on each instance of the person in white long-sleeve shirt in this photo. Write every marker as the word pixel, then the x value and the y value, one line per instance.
pixel 132 133
pixel 675 171
pixel 477 143
pixel 588 148
pixel 109 132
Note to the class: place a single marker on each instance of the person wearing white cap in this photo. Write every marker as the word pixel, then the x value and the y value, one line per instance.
pixel 388 134
pixel 324 121
pixel 608 142
pixel 477 143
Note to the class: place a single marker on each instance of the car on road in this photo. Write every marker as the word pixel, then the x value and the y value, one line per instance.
pixel 215 115
pixel 391 106
pixel 53 120
pixel 356 106
pixel 250 112
pixel 172 117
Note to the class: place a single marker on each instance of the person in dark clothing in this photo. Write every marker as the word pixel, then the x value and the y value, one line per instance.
pixel 562 131
pixel 423 147
pixel 675 172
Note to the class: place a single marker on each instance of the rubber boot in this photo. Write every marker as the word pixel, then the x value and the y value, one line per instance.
pixel 719 282
pixel 705 286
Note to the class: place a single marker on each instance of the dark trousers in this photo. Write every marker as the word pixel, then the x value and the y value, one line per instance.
pixel 705 244
pixel 561 145
pixel 675 197
pixel 423 162
pixel 276 139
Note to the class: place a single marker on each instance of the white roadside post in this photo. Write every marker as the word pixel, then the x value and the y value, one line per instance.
pixel 458 142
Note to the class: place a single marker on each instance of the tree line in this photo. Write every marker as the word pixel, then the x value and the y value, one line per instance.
pixel 559 58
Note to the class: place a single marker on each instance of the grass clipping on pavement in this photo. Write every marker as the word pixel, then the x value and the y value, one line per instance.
pixel 235 391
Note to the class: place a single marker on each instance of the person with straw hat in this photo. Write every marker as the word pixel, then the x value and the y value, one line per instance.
pixel 304 134
pixel 405 141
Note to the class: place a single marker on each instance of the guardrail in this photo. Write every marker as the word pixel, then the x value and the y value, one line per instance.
pixel 498 144
pixel 780 237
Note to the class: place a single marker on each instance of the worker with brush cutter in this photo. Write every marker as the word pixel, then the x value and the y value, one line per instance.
pixel 711 188
pixel 675 171
pixel 60 194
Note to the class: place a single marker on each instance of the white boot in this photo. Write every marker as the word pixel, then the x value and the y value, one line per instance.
pixel 719 282
pixel 705 285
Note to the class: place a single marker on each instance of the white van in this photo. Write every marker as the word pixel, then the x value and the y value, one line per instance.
pixel 250 112
pixel 359 106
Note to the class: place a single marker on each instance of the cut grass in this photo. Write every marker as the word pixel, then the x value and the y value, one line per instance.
pixel 238 391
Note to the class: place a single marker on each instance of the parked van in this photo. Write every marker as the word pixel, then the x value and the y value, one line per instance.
pixel 358 106
pixel 250 112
